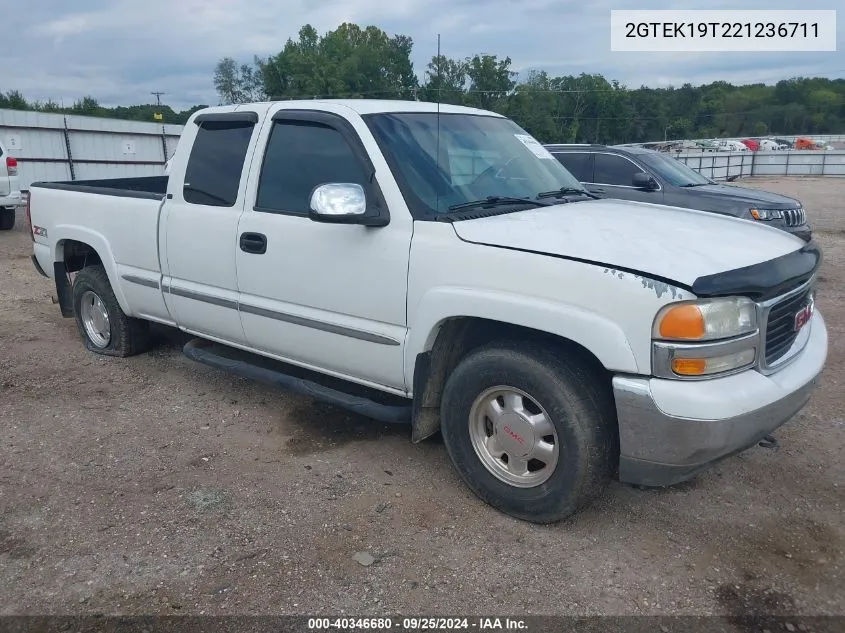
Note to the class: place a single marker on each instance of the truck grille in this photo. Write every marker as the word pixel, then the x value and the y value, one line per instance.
pixel 780 326
pixel 794 217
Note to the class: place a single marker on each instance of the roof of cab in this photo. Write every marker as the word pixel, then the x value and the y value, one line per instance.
pixel 366 106
pixel 598 147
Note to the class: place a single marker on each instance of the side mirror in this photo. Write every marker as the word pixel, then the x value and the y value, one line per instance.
pixel 342 203
pixel 642 180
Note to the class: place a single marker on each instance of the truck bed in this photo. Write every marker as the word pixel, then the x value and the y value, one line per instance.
pixel 119 219
pixel 152 187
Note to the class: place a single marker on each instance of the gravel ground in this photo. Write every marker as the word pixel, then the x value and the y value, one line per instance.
pixel 157 485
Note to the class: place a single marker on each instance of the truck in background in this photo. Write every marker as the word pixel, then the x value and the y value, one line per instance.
pixel 10 192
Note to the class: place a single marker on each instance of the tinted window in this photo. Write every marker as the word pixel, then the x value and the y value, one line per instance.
pixel 577 163
pixel 614 170
pixel 213 174
pixel 300 156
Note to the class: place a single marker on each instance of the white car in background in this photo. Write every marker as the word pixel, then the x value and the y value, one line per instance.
pixel 10 192
pixel 768 145
pixel 732 146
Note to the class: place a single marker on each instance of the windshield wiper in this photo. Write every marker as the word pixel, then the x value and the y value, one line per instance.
pixel 564 191
pixel 496 201
pixel 695 184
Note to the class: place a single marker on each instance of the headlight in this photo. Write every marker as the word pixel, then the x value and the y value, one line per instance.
pixel 705 338
pixel 706 320
pixel 767 214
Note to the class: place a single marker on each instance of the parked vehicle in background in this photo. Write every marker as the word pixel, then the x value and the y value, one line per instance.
pixel 732 146
pixel 643 175
pixel 435 265
pixel 769 145
pixel 751 144
pixel 707 146
pixel 10 193
pixel 803 143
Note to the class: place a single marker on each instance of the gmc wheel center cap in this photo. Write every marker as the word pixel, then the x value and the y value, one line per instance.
pixel 515 435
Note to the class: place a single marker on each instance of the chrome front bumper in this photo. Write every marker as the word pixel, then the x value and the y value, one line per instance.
pixel 666 431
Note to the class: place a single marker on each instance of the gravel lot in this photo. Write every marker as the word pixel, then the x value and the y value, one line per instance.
pixel 156 485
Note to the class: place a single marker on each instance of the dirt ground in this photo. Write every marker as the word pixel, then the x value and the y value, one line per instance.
pixel 156 485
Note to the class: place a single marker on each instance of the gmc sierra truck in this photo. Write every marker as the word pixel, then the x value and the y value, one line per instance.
pixel 435 265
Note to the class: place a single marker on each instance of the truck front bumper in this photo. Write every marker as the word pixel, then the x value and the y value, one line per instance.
pixel 670 430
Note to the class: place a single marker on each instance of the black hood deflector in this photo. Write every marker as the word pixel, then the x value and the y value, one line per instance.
pixel 765 280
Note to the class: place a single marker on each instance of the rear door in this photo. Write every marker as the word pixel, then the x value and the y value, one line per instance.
pixel 200 216
pixel 613 176
pixel 579 164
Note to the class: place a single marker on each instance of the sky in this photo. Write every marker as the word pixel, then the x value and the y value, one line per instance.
pixel 119 51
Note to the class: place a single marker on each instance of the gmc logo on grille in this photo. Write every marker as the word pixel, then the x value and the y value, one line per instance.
pixel 803 316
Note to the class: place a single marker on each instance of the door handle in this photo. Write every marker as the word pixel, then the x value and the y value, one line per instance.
pixel 255 243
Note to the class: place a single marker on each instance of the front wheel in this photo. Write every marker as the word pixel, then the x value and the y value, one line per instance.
pixel 531 432
pixel 103 325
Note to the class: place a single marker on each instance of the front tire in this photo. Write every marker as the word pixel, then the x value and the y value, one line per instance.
pixel 103 325
pixel 531 432
pixel 7 219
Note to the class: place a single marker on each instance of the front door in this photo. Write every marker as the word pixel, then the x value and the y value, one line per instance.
pixel 613 177
pixel 326 296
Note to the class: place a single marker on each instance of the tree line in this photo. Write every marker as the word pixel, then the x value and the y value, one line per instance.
pixel 89 106
pixel 366 62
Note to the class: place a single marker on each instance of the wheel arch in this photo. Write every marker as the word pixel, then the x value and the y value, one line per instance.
pixel 72 252
pixel 454 338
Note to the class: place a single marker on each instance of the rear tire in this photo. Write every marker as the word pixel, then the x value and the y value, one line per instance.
pixel 103 325
pixel 7 219
pixel 532 433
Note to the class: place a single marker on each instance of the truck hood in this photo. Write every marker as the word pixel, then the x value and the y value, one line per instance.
pixel 671 243
pixel 744 196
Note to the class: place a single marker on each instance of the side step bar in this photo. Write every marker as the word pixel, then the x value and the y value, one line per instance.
pixel 265 370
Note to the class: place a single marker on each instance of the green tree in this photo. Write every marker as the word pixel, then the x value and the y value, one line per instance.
pixel 14 100
pixel 87 106
pixel 347 62
pixel 446 80
pixel 238 83
pixel 491 81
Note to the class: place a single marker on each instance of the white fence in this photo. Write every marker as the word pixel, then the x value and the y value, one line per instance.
pixel 821 138
pixel 63 147
pixel 722 165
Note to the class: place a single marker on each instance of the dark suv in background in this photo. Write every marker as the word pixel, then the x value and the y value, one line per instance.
pixel 644 175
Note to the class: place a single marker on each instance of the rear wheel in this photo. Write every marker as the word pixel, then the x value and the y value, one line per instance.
pixel 7 218
pixel 533 434
pixel 103 325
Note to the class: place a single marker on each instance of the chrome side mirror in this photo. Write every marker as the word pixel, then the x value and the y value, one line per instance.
pixel 338 201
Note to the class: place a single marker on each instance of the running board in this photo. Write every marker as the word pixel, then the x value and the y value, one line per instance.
pixel 268 371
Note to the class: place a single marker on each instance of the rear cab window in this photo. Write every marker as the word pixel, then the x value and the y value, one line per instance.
pixel 216 162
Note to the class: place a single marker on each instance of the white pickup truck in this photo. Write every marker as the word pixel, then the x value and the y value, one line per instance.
pixel 437 266
pixel 10 193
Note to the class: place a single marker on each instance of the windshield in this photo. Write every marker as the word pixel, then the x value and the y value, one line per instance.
pixel 674 171
pixel 472 157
